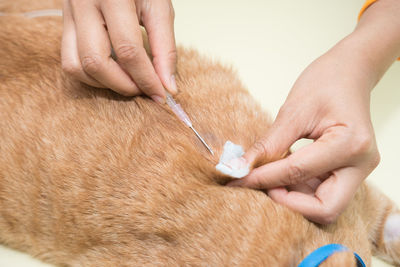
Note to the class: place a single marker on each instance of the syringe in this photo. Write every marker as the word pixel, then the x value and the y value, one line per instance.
pixel 177 109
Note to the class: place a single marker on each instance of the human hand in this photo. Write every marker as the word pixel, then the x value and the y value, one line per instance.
pixel 92 26
pixel 329 103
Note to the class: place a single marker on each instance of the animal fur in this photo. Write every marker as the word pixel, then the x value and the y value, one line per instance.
pixel 91 178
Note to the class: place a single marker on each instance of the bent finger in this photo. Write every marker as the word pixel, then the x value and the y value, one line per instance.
pixel 324 155
pixel 126 38
pixel 329 201
pixel 276 143
pixel 69 50
pixel 158 20
pixel 94 50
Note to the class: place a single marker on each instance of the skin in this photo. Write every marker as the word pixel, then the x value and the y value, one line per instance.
pixel 320 179
pixel 93 27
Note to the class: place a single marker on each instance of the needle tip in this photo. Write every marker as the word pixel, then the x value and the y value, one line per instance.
pixel 202 140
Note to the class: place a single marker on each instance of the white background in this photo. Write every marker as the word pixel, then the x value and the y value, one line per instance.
pixel 270 43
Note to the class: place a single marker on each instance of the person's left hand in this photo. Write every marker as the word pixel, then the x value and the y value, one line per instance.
pixel 330 104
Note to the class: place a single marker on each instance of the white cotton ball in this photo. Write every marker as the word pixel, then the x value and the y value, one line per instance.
pixel 230 162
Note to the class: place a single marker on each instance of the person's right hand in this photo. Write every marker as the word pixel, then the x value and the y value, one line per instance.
pixel 93 27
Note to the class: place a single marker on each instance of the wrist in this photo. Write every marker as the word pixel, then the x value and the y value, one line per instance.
pixel 365 57
pixel 368 63
pixel 352 66
pixel 377 36
pixel 374 45
pixel 375 53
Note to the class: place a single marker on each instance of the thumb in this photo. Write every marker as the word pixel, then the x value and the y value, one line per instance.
pixel 274 145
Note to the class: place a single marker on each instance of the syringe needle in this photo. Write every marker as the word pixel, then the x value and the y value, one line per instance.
pixel 176 108
pixel 202 140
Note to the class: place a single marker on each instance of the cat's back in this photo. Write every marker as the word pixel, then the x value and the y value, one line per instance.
pixel 96 169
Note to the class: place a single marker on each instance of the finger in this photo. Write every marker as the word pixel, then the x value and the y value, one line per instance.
pixel 158 20
pixel 303 188
pixel 328 153
pixel 330 199
pixel 94 50
pixel 126 37
pixel 282 134
pixel 69 51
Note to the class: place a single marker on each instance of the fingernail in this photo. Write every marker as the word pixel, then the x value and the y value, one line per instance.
pixel 173 88
pixel 158 99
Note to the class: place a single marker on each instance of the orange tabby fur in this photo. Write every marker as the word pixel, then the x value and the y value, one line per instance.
pixel 91 178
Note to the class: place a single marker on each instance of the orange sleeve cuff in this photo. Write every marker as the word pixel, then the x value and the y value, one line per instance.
pixel 365 6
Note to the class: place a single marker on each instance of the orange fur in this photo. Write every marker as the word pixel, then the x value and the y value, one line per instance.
pixel 91 178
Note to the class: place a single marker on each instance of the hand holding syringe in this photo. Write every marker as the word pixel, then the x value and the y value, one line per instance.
pixel 177 109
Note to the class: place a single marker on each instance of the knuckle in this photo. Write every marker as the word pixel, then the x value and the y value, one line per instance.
pixel 261 148
pixel 375 159
pixel 172 55
pixel 296 173
pixel 74 3
pixel 257 182
pixel 362 144
pixel 70 68
pixel 147 84
pixel 266 148
pixel 128 52
pixel 91 64
pixel 284 110
pixel 328 216
pixel 287 110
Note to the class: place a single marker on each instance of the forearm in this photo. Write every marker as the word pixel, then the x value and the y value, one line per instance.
pixel 377 37
pixel 366 54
